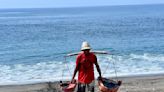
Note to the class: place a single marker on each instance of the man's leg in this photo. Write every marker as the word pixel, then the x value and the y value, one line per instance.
pixel 81 87
pixel 90 87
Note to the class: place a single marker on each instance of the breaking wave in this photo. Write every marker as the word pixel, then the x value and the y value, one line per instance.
pixel 123 65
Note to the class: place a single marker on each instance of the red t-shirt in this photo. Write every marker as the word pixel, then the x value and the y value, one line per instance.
pixel 86 69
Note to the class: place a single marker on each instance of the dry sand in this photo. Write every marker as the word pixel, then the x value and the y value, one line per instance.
pixel 142 83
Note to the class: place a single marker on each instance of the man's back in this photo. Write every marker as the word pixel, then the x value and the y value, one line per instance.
pixel 86 68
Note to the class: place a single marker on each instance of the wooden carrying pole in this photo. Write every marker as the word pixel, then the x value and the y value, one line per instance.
pixel 95 52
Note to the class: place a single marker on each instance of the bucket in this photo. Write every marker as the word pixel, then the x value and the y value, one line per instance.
pixel 107 85
pixel 68 86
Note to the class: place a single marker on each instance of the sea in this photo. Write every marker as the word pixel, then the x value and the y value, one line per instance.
pixel 35 41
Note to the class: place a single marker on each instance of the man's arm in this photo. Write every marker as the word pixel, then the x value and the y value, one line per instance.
pixel 76 68
pixel 75 71
pixel 98 68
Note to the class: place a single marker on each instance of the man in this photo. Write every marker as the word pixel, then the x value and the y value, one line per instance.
pixel 85 67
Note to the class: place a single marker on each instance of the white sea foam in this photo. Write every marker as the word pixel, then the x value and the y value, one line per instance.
pixel 132 64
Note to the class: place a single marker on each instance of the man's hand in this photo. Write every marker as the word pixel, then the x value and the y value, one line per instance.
pixel 73 81
pixel 100 78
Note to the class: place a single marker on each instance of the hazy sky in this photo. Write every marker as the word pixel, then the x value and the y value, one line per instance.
pixel 70 3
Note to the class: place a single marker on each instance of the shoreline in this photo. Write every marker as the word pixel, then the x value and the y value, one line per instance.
pixel 137 83
pixel 113 77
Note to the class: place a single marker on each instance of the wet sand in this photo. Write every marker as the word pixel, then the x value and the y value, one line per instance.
pixel 142 83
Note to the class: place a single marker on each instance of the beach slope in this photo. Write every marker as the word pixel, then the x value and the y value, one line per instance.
pixel 142 83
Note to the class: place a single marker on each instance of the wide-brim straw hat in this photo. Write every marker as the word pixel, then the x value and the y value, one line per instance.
pixel 85 46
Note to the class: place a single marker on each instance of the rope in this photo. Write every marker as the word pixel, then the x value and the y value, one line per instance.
pixel 114 63
pixel 65 66
pixel 62 73
pixel 68 67
pixel 63 69
pixel 106 68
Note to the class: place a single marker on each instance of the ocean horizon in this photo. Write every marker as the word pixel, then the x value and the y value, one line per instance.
pixel 34 41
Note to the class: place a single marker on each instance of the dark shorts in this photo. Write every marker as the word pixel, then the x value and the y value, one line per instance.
pixel 85 87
